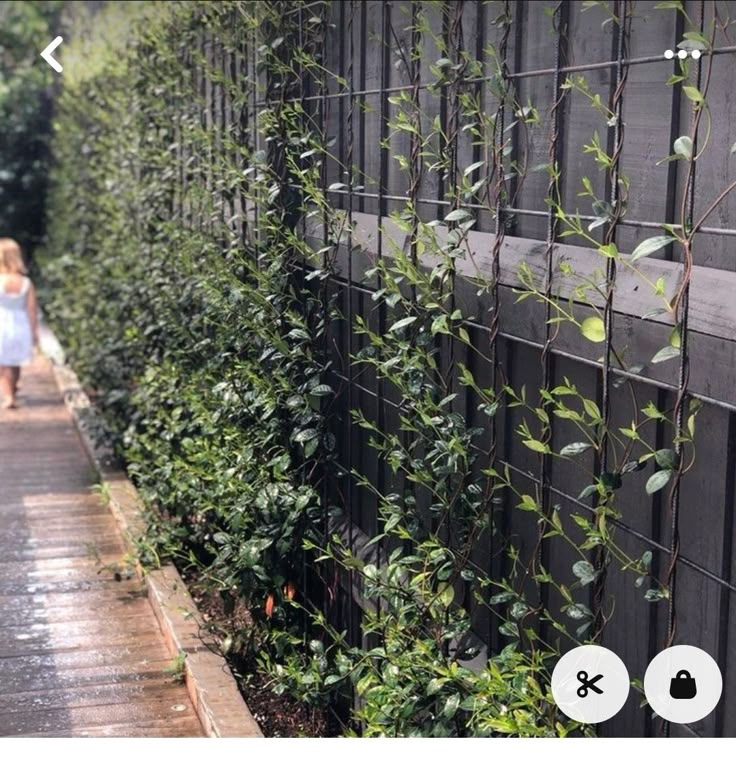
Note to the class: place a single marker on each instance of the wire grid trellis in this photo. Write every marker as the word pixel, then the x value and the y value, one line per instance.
pixel 348 43
pixel 619 63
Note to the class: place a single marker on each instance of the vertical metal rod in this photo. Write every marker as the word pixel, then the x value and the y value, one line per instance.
pixel 443 143
pixel 682 384
pixel 361 108
pixel 556 146
pixel 620 40
pixel 349 305
pixel 255 142
pixel 383 127
pixel 326 256
pixel 223 125
pixel 234 119
pixel 495 325
pixel 181 121
pixel 470 352
pixel 415 166
pixel 298 272
pixel 201 170
pixel 415 160
pixel 243 138
pixel 211 114
pixel 658 501
pixel 682 380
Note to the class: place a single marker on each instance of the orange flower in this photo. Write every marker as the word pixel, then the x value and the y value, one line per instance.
pixel 290 590
pixel 269 606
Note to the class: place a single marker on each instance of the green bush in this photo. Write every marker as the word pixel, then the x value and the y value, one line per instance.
pixel 25 115
pixel 202 322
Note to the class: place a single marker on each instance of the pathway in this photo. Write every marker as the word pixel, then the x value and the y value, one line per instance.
pixel 81 654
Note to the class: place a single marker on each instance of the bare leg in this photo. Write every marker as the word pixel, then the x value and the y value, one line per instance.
pixel 15 378
pixel 8 380
pixel 5 385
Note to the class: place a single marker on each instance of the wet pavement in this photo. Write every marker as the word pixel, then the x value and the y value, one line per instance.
pixel 81 653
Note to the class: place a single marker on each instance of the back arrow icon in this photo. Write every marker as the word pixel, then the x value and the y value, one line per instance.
pixel 50 60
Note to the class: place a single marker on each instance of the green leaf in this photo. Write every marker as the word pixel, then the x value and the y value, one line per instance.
pixel 470 169
pixel 446 595
pixel 306 435
pixel 658 480
pixel 733 148
pixel 594 329
pixel 652 412
pixel 537 446
pixel 610 250
pixel 322 390
pixel 451 705
pixel 650 245
pixel 584 571
pixel 591 408
pixel 370 571
pixel 364 683
pixel 527 503
pixel 575 448
pixel 459 215
pixel 501 597
pixel 665 458
pixel 693 41
pixel 669 352
pixel 695 95
pixel 434 686
pixel 675 338
pixel 439 325
pixel 577 611
pixel 403 323
pixel 684 147
pixel 655 595
pixel 588 491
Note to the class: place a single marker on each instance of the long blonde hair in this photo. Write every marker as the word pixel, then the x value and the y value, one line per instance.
pixel 11 258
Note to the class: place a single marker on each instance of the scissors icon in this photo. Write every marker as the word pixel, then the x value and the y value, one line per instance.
pixel 586 684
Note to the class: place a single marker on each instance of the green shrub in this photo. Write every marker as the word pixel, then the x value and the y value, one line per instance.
pixel 202 321
pixel 25 115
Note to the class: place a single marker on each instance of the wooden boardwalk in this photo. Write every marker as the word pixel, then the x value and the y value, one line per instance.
pixel 81 654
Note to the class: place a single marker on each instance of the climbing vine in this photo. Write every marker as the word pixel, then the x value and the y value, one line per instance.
pixel 204 318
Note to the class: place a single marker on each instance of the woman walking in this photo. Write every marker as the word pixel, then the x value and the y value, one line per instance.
pixel 18 322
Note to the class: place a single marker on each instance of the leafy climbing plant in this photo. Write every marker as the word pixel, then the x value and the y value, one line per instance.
pixel 208 318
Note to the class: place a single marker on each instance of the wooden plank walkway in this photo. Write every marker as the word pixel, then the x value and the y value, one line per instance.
pixel 81 654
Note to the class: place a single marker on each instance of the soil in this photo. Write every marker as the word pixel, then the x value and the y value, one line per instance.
pixel 277 715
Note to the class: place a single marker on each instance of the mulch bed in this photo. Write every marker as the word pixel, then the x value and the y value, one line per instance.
pixel 277 715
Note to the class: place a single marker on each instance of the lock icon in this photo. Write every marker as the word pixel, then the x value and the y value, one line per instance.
pixel 682 686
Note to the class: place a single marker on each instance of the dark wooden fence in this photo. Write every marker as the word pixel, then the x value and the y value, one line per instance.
pixel 361 49
pixel 691 536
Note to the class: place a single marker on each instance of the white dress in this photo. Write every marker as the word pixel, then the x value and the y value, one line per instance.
pixel 16 341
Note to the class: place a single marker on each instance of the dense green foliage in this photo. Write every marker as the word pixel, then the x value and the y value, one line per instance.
pixel 25 118
pixel 176 276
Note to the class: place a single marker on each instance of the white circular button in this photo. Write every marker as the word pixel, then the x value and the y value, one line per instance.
pixel 590 684
pixel 683 684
